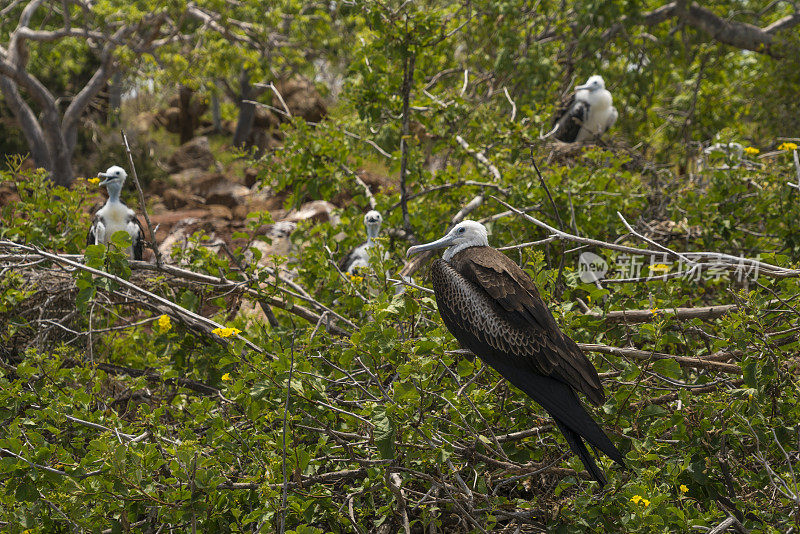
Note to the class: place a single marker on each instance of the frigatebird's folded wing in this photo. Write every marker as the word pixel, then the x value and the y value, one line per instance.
pixel 528 319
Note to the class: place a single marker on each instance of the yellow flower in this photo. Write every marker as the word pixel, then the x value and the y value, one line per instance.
pixel 636 498
pixel 751 151
pixel 164 323
pixel 654 311
pixel 226 332
pixel 226 376
pixel 683 488
pixel 787 146
pixel 93 181
pixel 645 502
pixel 354 278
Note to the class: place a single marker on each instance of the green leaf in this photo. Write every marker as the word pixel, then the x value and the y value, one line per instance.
pixel 27 492
pixel 750 373
pixel 383 433
pixel 667 367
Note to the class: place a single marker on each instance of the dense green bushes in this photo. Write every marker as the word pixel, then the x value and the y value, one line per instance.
pixel 198 439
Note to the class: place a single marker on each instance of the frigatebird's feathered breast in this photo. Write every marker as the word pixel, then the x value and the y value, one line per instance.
pixel 493 308
pixel 99 233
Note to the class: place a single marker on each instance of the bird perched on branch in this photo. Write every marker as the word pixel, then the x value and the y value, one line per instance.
pixel 587 115
pixel 493 308
pixel 358 258
pixel 115 216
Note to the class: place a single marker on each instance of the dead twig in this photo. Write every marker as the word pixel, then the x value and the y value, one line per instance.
pixel 152 243
pixel 728 523
pixel 480 157
pixel 646 355
pixel 709 259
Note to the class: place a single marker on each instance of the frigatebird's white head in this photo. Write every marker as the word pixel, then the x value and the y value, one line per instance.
pixel 594 83
pixel 463 235
pixel 114 179
pixel 373 221
pixel 113 174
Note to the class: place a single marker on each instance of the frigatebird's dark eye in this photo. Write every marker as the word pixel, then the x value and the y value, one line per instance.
pixel 461 230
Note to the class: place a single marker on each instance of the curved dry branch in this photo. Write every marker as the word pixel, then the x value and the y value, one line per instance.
pixel 646 355
pixel 695 258
pixel 737 34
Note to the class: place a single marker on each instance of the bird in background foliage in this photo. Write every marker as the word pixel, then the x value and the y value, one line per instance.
pixel 587 115
pixel 493 308
pixel 358 258
pixel 115 216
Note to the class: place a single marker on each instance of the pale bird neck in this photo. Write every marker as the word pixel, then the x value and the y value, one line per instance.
pixel 373 231
pixel 455 249
pixel 114 190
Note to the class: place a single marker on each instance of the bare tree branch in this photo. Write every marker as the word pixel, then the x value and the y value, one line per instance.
pixel 738 34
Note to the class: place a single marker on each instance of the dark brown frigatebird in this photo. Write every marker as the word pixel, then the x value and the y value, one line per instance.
pixel 493 308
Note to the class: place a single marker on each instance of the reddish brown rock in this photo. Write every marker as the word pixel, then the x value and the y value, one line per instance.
pixel 302 99
pixel 219 211
pixel 175 198
pixel 144 122
pixel 316 211
pixel 240 212
pixel 186 179
pixel 169 119
pixel 267 200
pixel 195 154
pixel 174 217
pixel 217 189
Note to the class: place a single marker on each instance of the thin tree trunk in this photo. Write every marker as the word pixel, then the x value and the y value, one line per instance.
pixel 247 112
pixel 51 137
pixel 31 128
pixel 114 99
pixel 216 117
pixel 185 119
pixel 408 82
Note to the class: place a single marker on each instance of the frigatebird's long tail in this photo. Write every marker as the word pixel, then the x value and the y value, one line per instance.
pixel 579 448
pixel 562 403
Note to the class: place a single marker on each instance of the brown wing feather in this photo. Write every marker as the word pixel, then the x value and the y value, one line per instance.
pixel 529 319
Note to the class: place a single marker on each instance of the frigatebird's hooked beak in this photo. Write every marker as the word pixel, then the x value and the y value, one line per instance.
pixel 444 242
pixel 104 175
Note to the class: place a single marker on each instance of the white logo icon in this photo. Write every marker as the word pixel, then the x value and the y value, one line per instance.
pixel 591 267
